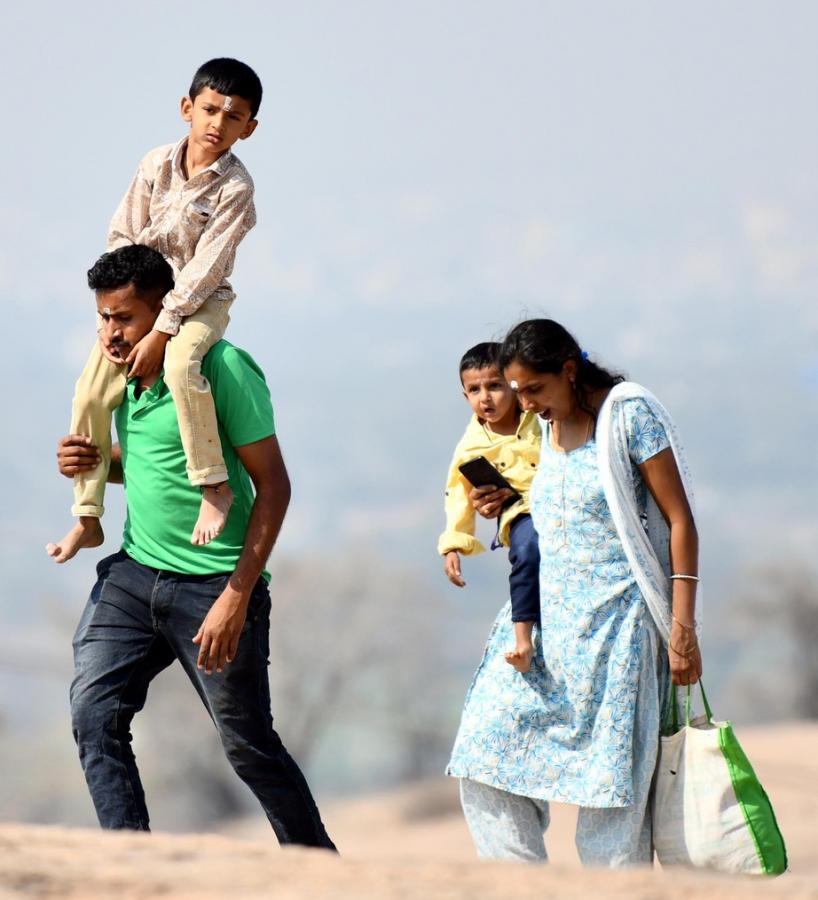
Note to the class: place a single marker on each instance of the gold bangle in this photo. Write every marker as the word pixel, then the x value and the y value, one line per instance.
pixel 683 655
pixel 679 622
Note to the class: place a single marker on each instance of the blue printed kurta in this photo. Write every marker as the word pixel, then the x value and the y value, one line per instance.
pixel 568 730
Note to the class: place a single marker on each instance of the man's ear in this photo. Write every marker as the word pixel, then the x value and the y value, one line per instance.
pixel 187 109
pixel 248 129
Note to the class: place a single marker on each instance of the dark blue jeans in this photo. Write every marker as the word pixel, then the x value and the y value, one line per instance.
pixel 139 620
pixel 524 581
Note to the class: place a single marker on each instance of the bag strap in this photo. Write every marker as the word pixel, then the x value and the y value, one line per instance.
pixel 670 717
pixel 708 711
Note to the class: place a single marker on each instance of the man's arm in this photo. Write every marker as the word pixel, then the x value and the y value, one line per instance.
pixel 115 475
pixel 218 636
pixel 265 466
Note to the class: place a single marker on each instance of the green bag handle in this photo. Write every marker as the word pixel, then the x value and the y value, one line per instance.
pixel 708 711
pixel 670 718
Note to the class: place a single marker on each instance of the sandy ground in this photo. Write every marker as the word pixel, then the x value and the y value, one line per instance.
pixel 409 843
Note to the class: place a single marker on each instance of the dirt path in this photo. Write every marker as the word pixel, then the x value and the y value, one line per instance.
pixel 410 843
pixel 53 862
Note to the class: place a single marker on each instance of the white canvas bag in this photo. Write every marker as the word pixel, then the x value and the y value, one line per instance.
pixel 709 808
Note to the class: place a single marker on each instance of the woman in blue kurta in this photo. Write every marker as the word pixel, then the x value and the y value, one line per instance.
pixel 582 726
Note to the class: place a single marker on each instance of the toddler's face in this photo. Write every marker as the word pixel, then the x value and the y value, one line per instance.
pixel 488 393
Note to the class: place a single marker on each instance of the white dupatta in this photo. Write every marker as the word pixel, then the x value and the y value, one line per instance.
pixel 648 552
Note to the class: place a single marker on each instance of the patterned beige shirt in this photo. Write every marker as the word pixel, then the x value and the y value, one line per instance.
pixel 195 223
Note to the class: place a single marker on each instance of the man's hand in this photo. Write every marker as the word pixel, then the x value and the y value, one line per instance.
pixel 218 636
pixel 147 356
pixel 76 454
pixel 451 566
pixel 488 501
pixel 109 354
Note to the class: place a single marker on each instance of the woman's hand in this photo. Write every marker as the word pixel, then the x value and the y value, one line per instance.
pixel 488 501
pixel 684 655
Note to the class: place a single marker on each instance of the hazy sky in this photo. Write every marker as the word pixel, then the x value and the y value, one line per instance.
pixel 428 173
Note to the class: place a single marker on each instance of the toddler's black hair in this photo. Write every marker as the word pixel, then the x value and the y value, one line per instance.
pixel 480 356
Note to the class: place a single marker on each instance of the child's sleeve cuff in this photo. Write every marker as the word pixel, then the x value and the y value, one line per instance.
pixel 467 544
pixel 168 322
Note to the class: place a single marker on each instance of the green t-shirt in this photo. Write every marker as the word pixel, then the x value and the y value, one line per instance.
pixel 162 504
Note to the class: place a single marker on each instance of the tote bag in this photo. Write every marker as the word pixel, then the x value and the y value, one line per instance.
pixel 709 809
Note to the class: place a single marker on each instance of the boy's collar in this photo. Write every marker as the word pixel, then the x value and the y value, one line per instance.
pixel 523 418
pixel 220 166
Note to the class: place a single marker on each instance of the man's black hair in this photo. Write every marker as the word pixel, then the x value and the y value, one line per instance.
pixel 228 76
pixel 143 267
pixel 480 356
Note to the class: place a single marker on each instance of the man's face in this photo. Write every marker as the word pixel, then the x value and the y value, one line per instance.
pixel 217 120
pixel 126 319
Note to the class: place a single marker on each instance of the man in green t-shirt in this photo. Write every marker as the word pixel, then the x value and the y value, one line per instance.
pixel 160 598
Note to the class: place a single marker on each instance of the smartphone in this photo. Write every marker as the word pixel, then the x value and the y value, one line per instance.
pixel 481 473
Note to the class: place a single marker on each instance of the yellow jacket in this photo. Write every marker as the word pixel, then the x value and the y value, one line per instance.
pixel 515 456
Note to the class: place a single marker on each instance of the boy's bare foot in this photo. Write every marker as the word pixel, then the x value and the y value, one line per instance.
pixel 216 502
pixel 520 657
pixel 86 533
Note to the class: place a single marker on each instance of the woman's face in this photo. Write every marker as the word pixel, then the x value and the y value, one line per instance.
pixel 551 396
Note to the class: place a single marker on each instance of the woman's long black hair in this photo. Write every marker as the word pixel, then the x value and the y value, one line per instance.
pixel 545 346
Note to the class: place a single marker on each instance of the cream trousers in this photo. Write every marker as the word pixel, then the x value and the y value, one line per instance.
pixel 101 387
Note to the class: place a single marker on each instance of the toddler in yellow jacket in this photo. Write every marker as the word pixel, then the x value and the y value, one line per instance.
pixel 510 440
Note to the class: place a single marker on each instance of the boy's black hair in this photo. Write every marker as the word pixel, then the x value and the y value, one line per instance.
pixel 480 356
pixel 228 76
pixel 143 267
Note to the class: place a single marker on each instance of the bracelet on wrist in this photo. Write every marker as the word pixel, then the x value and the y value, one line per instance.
pixel 684 654
pixel 679 577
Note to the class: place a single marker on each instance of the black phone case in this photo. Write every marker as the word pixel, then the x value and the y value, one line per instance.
pixel 481 473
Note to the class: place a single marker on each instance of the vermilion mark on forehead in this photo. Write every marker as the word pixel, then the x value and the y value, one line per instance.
pixel 229 103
